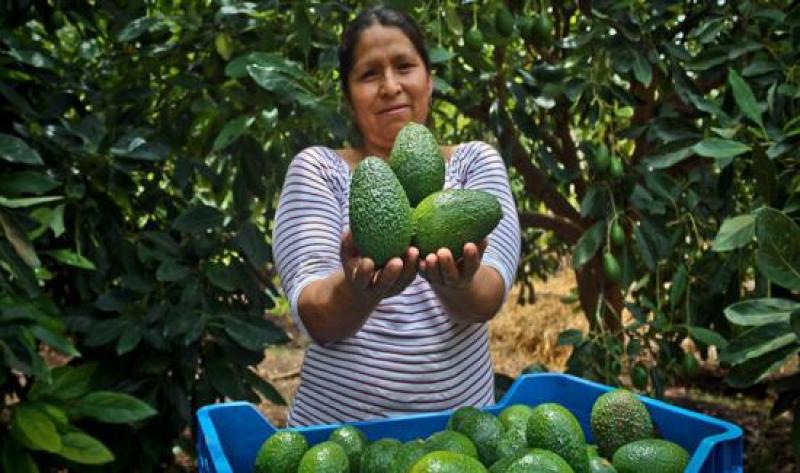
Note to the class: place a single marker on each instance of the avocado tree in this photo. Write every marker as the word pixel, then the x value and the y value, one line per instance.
pixel 143 146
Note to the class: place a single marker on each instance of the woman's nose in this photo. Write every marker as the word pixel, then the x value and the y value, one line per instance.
pixel 391 85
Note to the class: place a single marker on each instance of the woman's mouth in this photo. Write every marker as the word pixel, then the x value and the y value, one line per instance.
pixel 394 110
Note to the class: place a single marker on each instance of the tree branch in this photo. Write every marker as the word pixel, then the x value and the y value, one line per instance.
pixel 566 230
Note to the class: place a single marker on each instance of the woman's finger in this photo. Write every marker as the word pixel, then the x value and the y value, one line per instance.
pixel 447 267
pixel 472 261
pixel 432 270
pixel 388 275
pixel 364 273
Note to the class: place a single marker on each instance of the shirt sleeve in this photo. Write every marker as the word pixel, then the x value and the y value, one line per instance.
pixel 486 171
pixel 306 237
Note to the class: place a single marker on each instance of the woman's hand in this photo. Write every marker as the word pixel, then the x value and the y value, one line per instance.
pixel 374 284
pixel 443 272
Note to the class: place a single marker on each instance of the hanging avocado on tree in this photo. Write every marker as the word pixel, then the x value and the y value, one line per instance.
pixel 611 268
pixel 503 21
pixel 473 39
pixel 542 32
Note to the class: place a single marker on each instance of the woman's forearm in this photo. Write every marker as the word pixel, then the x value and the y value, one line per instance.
pixel 477 302
pixel 331 310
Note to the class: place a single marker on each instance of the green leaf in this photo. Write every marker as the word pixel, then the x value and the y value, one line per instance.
pixel 113 407
pixel 71 258
pixel 253 244
pixel 756 342
pixel 14 150
pixel 19 239
pixel 27 182
pixel 752 371
pixel 588 244
pixel 679 282
pixel 198 219
pixel 671 154
pixel 642 69
pixel 719 148
pixel 439 55
pixel 171 271
pixel 16 459
pixel 794 321
pixel 778 253
pixel 67 383
pixel 137 27
pixel 744 97
pixel 37 428
pixel 646 251
pixel 82 448
pixel 130 338
pixel 264 388
pixel 571 337
pixel 760 311
pixel 232 131
pixel 735 233
pixel 28 201
pixel 707 336
pixel 253 334
pixel 55 340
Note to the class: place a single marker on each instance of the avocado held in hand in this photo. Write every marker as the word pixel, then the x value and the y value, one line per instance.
pixel 380 216
pixel 417 162
pixel 452 218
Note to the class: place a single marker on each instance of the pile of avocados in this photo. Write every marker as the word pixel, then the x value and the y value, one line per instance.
pixel 545 438
pixel 400 203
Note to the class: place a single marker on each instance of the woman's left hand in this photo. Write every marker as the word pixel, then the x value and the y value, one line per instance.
pixel 444 272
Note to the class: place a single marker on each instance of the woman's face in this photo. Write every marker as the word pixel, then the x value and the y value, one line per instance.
pixel 389 86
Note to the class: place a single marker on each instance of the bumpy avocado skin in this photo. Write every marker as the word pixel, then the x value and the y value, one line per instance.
pixel 380 215
pixel 454 217
pixel 417 161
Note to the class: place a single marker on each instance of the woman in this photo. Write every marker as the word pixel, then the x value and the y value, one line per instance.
pixel 411 336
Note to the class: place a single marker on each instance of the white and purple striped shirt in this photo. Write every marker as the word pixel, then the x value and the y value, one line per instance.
pixel 409 356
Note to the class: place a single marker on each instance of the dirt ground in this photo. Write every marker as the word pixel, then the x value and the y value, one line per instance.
pixel 523 334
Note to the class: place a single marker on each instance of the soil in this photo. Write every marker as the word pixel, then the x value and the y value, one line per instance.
pixel 521 335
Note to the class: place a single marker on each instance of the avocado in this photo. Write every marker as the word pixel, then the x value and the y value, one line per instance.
pixel 417 162
pixel 353 441
pixel 652 456
pixel 540 461
pixel 512 441
pixel 619 417
pixel 503 21
pixel 514 416
pixel 378 456
pixel 460 416
pixel 601 465
pixel 452 218
pixel 380 215
pixel 408 455
pixel 447 462
pixel 452 441
pixel 281 453
pixel 552 427
pixel 325 457
pixel 485 431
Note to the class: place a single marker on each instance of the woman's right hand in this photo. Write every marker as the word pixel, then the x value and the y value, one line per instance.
pixel 374 284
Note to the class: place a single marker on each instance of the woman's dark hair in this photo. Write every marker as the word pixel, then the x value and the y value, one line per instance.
pixel 384 16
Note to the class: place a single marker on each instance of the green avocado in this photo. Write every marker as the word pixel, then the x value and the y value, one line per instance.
pixel 417 161
pixel 552 427
pixel 619 417
pixel 652 456
pixel 452 218
pixel 380 216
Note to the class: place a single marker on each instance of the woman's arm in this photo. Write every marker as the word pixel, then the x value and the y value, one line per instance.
pixel 337 306
pixel 330 288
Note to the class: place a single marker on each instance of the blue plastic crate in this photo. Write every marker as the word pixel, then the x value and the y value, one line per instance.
pixel 230 434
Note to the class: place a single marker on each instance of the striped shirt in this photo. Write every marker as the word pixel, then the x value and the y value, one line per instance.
pixel 409 356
